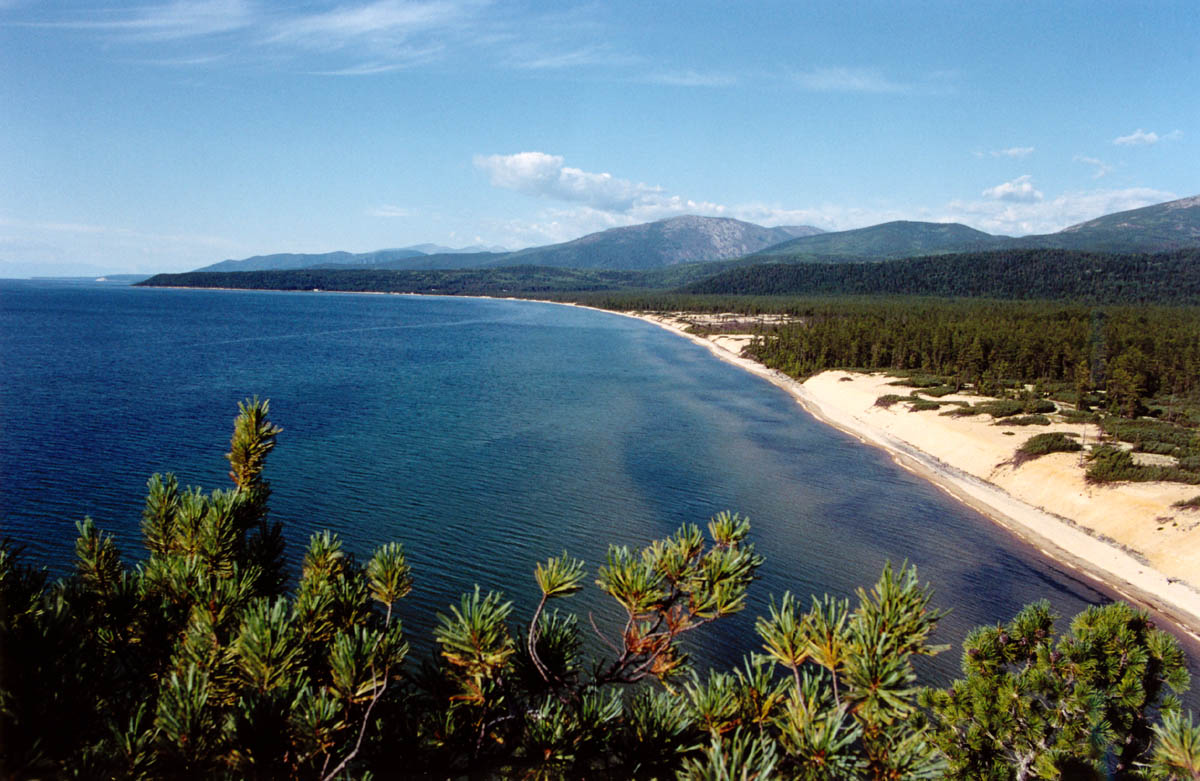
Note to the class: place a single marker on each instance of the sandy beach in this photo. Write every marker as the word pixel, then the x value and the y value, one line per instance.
pixel 1127 535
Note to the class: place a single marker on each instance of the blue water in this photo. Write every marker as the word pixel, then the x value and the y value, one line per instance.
pixel 485 435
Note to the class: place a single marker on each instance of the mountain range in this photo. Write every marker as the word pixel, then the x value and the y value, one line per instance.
pixel 687 240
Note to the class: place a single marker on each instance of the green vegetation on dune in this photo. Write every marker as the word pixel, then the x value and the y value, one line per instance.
pixel 1139 366
pixel 199 663
pixel 1044 444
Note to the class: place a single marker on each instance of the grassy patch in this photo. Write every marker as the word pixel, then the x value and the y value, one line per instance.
pixel 888 400
pixel 1188 504
pixel 922 405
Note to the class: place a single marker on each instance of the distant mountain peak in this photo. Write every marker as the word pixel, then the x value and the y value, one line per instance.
pixel 1158 227
pixel 898 238
pixel 1183 203
pixel 687 238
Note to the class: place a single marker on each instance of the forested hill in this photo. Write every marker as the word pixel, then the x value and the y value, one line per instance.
pixel 1171 277
pixel 898 239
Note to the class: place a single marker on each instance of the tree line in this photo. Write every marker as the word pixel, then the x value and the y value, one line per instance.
pixel 1059 275
pixel 1154 351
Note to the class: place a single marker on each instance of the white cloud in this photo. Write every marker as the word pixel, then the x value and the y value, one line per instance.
pixel 691 78
pixel 387 210
pixel 1102 168
pixel 1138 137
pixel 1019 190
pixel 1017 152
pixel 384 21
pixel 546 176
pixel 530 58
pixel 847 80
pixel 832 217
pixel 357 37
pixel 1141 137
pixel 171 21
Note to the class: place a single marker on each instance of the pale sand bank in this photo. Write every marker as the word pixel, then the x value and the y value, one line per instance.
pixel 1126 535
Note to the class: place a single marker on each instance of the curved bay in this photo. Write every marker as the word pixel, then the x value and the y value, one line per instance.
pixel 485 435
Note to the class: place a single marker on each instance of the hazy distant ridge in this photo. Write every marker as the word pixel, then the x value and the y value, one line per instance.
pixel 692 239
pixel 376 259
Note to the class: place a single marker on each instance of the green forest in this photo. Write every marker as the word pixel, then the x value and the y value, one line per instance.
pixel 1057 275
pixel 1133 370
pixel 202 658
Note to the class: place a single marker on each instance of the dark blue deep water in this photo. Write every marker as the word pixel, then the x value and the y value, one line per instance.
pixel 485 435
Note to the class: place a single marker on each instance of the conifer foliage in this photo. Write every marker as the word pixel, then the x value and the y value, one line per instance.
pixel 197 662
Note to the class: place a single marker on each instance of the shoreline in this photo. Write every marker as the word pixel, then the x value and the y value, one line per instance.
pixel 1087 552
pixel 1056 536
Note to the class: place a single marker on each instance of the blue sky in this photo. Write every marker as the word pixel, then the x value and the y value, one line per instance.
pixel 161 136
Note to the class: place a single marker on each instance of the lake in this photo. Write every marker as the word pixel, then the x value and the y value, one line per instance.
pixel 486 435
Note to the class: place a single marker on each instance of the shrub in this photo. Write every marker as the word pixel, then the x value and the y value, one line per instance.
pixel 1144 432
pixel 1113 465
pixel 918 381
pixel 939 391
pixel 1155 447
pixel 1024 420
pixel 922 405
pixel 1044 444
pixel 999 408
pixel 888 400
pixel 1188 504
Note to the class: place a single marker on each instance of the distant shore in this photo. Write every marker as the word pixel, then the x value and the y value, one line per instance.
pixel 1127 536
